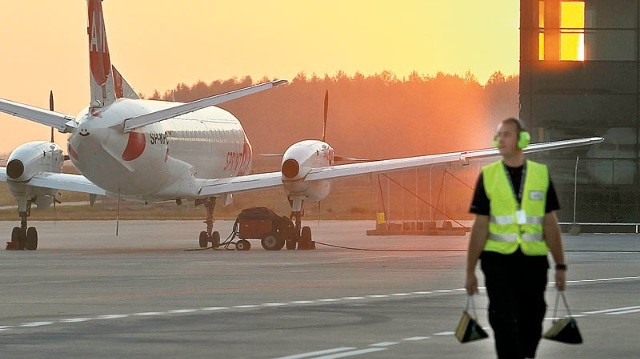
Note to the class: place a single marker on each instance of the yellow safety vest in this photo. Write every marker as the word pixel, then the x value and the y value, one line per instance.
pixel 505 234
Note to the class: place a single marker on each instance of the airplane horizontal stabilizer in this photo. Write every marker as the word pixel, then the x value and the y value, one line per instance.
pixel 61 122
pixel 153 117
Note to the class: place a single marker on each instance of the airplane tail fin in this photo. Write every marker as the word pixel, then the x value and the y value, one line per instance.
pixel 103 92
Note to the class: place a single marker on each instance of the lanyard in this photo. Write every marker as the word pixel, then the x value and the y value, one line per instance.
pixel 519 194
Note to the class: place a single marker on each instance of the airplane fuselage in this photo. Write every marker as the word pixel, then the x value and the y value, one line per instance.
pixel 161 160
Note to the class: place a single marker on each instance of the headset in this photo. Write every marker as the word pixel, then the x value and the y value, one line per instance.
pixel 524 138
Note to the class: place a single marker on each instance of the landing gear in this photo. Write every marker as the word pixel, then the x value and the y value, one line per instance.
pixel 24 237
pixel 209 235
pixel 302 233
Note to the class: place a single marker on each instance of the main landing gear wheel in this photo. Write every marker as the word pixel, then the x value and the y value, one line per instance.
pixel 305 239
pixel 31 242
pixel 18 238
pixel 271 242
pixel 291 244
pixel 204 239
pixel 209 235
pixel 243 245
pixel 215 239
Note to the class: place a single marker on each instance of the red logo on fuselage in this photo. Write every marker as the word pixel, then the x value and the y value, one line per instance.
pixel 98 49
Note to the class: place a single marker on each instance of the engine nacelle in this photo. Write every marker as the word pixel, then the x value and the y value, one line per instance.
pixel 28 160
pixel 298 160
pixel 34 157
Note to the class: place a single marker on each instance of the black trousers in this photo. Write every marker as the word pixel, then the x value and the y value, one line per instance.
pixel 515 286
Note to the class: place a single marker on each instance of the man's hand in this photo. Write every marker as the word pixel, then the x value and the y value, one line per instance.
pixel 561 279
pixel 471 284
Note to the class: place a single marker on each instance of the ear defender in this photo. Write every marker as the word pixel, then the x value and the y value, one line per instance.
pixel 523 140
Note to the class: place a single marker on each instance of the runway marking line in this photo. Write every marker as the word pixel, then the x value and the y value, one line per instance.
pixel 383 344
pixel 614 311
pixel 351 353
pixel 610 310
pixel 35 324
pixel 415 339
pixel 320 352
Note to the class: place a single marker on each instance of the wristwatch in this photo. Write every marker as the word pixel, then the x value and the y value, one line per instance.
pixel 561 267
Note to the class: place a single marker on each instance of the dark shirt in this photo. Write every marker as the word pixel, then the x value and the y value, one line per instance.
pixel 480 203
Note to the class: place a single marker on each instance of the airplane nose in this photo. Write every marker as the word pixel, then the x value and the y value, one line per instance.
pixel 290 168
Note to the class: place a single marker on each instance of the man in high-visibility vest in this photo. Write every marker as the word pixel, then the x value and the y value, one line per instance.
pixel 515 227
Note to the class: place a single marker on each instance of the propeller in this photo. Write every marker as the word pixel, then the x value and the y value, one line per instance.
pixel 326 108
pixel 337 158
pixel 51 107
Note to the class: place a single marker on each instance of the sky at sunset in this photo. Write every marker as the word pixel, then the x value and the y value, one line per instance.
pixel 157 44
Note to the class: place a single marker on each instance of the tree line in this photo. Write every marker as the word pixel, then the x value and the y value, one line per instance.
pixel 377 116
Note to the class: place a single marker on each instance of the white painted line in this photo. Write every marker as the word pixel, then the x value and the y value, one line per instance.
pixel 352 298
pixel 442 334
pixel 112 316
pixel 611 310
pixel 444 291
pixel 5 328
pixel 181 311
pixel 422 292
pixel 149 314
pixel 383 344
pixel 625 312
pixel 328 300
pixel 400 294
pixel 302 302
pixel 378 296
pixel 273 304
pixel 312 354
pixel 414 339
pixel 351 353
pixel 75 320
pixel 210 309
pixel 246 306
pixel 35 324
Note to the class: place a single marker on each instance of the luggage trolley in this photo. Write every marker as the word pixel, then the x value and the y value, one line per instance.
pixel 274 231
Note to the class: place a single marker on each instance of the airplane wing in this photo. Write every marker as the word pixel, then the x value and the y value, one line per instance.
pixel 63 123
pixel 142 120
pixel 412 162
pixel 214 187
pixel 63 181
pixel 273 179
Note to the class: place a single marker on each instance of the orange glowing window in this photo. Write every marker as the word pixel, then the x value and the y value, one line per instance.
pixel 572 30
pixel 564 36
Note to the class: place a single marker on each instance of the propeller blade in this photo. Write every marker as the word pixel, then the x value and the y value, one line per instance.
pixel 326 108
pixel 118 214
pixel 51 107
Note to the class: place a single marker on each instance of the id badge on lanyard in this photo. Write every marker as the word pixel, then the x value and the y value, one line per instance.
pixel 521 216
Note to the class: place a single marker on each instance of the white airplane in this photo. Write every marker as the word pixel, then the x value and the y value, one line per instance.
pixel 153 151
